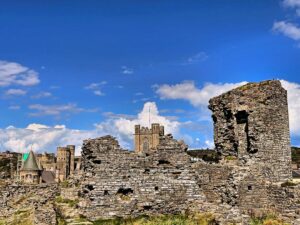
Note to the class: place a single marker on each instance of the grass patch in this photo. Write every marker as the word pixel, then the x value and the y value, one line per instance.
pixel 268 219
pixel 22 217
pixel 196 219
pixel 64 184
pixel 71 203
pixel 230 157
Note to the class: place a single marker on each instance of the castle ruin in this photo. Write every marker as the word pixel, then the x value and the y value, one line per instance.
pixel 252 174
pixel 251 133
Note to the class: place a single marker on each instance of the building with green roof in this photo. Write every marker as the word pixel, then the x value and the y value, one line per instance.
pixel 30 171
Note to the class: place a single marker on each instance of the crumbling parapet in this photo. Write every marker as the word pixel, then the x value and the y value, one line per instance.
pixel 251 123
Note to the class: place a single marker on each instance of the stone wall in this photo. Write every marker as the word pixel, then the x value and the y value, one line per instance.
pixel 123 183
pixel 251 122
pixel 36 200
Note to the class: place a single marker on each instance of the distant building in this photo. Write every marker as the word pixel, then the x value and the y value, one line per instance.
pixel 30 172
pixel 48 168
pixel 65 162
pixel 147 139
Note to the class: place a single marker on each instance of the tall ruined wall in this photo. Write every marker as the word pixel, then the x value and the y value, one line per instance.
pixel 251 122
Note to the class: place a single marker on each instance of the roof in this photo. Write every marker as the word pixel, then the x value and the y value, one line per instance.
pixel 48 177
pixel 30 163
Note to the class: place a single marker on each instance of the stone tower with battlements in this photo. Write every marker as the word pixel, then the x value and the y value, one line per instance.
pixel 65 162
pixel 146 139
pixel 251 124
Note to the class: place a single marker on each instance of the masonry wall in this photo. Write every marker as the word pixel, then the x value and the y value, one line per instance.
pixel 122 183
pixel 37 199
pixel 251 122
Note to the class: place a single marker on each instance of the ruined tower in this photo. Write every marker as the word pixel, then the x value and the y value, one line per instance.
pixel 251 123
pixel 146 139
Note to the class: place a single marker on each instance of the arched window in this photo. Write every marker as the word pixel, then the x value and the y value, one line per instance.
pixel 145 144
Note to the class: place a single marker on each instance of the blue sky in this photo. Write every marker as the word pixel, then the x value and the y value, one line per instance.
pixel 74 69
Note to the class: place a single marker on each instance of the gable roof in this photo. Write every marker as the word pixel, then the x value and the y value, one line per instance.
pixel 30 163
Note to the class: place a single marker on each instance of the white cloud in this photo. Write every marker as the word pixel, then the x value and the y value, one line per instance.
pixel 12 73
pixel 43 94
pixel 96 88
pixel 196 96
pixel 126 70
pixel 42 138
pixel 57 110
pixel 289 30
pixel 15 92
pixel 294 105
pixel 209 144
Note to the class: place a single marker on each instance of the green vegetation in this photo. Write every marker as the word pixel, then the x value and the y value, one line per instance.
pixel 230 157
pixel 288 184
pixel 22 217
pixel 61 221
pixel 196 219
pixel 64 184
pixel 71 203
pixel 268 219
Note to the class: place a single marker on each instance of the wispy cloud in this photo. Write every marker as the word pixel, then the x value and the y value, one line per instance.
pixel 289 30
pixel 14 107
pixel 188 91
pixel 96 88
pixel 127 70
pixel 12 73
pixel 141 100
pixel 43 94
pixel 15 92
pixel 57 110
pixel 291 3
pixel 197 58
